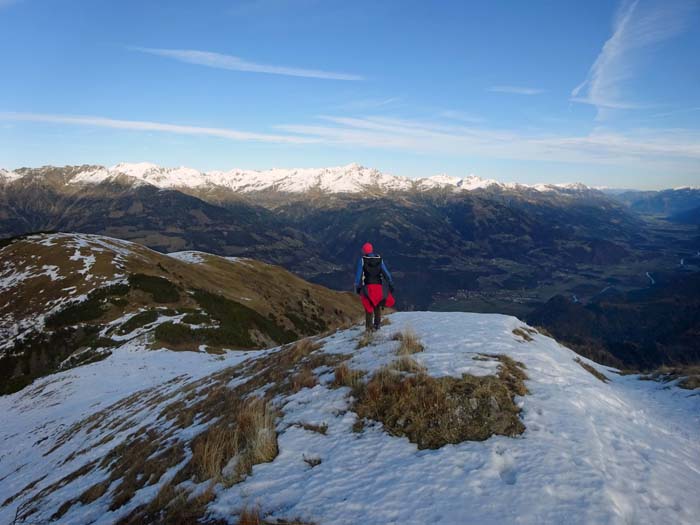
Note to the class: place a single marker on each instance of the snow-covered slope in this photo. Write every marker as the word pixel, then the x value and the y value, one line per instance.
pixel 7 175
pixel 351 178
pixel 623 451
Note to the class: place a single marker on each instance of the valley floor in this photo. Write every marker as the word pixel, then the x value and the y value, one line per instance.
pixel 622 451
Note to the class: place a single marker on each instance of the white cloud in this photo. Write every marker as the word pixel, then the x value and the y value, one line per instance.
pixel 638 24
pixel 138 125
pixel 640 148
pixel 368 104
pixel 516 90
pixel 663 149
pixel 220 61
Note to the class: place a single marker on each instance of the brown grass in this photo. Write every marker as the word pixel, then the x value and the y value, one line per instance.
pixel 319 429
pixel 366 339
pixel 433 412
pixel 23 491
pixel 250 516
pixel 239 426
pixel 305 378
pixel 689 375
pixel 173 505
pixel 542 330
pixel 406 364
pixel 358 426
pixel 410 344
pixel 251 439
pixel 346 376
pixel 255 516
pixel 524 333
pixel 598 375
pixel 94 493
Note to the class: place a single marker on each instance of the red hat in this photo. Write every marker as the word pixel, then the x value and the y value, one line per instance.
pixel 367 248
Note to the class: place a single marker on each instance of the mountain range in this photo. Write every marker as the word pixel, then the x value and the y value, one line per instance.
pixel 179 386
pixel 452 244
pixel 352 178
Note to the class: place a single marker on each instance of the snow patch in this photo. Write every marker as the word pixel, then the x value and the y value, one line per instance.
pixel 627 451
pixel 189 256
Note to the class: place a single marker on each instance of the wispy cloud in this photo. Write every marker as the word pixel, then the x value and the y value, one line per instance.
pixel 634 149
pixel 675 112
pixel 369 104
pixel 638 24
pixel 140 125
pixel 665 149
pixel 516 90
pixel 234 63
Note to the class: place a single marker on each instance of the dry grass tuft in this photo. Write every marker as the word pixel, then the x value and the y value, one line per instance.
pixel 94 493
pixel 250 516
pixel 366 339
pixel 592 371
pixel 305 378
pixel 689 375
pixel 691 382
pixel 173 505
pixel 240 432
pixel 255 516
pixel 433 412
pixel 319 429
pixel 410 344
pixel 346 376
pixel 358 426
pixel 542 330
pixel 236 446
pixel 407 364
pixel 512 373
pixel 524 332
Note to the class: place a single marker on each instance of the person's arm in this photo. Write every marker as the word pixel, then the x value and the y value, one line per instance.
pixel 386 273
pixel 358 275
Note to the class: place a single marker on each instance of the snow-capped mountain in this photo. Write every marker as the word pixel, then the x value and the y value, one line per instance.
pixel 352 178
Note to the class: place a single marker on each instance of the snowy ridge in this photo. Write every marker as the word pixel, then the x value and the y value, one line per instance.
pixel 626 451
pixel 352 178
pixel 7 175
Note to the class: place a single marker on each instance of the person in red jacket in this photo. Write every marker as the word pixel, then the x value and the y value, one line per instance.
pixel 375 286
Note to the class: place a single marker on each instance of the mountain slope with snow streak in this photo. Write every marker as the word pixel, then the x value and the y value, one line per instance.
pixel 67 297
pixel 622 451
pixel 352 178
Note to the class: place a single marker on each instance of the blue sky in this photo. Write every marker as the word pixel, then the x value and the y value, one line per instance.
pixel 602 92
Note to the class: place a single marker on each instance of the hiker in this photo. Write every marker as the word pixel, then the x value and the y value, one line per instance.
pixel 374 285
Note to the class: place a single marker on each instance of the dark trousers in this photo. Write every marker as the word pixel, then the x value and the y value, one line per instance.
pixel 373 320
